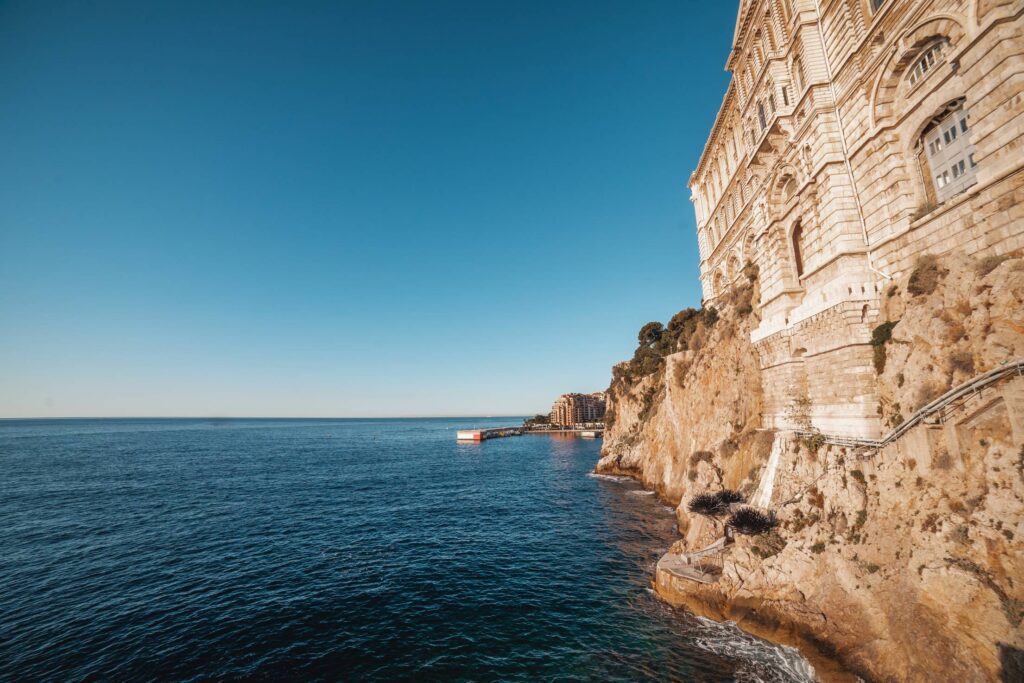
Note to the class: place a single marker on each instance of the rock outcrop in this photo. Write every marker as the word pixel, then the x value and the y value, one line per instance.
pixel 899 563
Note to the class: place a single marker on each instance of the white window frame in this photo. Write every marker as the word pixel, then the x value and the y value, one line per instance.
pixel 925 64
pixel 947 146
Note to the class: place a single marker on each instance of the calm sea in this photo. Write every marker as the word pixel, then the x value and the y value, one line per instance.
pixel 340 550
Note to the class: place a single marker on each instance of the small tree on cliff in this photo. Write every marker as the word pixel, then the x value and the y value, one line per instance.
pixel 650 334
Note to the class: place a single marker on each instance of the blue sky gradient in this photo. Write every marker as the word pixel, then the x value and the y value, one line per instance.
pixel 343 209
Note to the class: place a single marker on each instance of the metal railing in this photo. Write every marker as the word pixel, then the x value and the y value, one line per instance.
pixel 951 400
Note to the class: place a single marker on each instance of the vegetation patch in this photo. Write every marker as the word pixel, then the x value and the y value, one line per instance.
pixel 701 456
pixel 926 275
pixel 751 522
pixel 989 263
pixel 928 392
pixel 962 362
pixel 714 504
pixel 879 336
pixel 768 545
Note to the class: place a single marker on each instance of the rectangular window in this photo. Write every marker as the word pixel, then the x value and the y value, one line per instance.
pixel 785 96
pixel 950 155
pixel 876 5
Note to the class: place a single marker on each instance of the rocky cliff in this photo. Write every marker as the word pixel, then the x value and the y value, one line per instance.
pixel 899 563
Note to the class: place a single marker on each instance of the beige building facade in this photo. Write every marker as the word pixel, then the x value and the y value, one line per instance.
pixel 854 137
pixel 574 409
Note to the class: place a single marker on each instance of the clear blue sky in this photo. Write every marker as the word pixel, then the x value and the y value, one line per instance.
pixel 343 209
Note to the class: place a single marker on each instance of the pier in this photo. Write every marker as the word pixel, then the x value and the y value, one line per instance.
pixel 478 435
pixel 590 433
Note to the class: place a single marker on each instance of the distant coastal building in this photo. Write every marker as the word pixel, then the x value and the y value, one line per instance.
pixel 573 409
pixel 853 138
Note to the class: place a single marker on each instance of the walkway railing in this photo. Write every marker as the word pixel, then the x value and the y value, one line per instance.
pixel 950 400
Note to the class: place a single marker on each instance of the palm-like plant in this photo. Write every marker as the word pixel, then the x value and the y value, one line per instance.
pixel 751 522
pixel 714 504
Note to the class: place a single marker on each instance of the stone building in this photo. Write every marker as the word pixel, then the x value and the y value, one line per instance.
pixel 573 409
pixel 854 137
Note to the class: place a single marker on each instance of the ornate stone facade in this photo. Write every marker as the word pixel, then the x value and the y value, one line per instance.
pixel 855 136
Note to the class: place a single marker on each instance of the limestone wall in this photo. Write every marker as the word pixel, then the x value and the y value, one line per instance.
pixel 813 171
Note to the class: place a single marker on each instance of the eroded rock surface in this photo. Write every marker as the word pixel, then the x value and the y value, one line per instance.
pixel 905 563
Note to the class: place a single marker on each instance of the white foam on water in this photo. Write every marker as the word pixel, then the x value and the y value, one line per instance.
pixel 767 662
pixel 642 492
pixel 609 477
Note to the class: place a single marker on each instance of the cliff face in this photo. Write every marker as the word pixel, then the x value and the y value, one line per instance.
pixel 901 563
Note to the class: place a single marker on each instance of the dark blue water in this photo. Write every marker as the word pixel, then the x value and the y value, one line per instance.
pixel 341 550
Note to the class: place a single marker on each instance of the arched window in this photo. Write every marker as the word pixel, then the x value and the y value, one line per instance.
pixel 946 144
pixel 788 188
pixel 760 116
pixel 785 96
pixel 798 257
pixel 798 75
pixel 925 63
pixel 717 283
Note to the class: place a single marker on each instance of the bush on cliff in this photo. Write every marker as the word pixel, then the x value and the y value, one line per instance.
pixel 879 336
pixel 751 522
pixel 714 504
pixel 655 341
pixel 925 276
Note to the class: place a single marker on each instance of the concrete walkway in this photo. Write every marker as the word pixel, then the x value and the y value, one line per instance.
pixel 682 565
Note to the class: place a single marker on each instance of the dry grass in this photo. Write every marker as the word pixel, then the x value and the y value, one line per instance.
pixel 926 275
pixel 928 392
pixel 962 362
pixel 989 263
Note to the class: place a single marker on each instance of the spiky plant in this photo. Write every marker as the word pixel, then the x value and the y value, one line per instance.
pixel 728 496
pixel 751 522
pixel 707 504
pixel 714 504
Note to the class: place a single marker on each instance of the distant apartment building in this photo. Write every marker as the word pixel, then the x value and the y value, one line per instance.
pixel 573 409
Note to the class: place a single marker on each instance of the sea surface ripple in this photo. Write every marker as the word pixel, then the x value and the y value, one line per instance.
pixel 337 550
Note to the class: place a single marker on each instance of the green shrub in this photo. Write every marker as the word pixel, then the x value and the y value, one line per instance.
pixel 878 359
pixel 883 333
pixel 879 336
